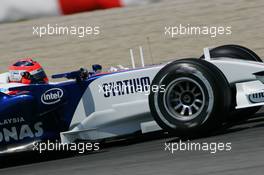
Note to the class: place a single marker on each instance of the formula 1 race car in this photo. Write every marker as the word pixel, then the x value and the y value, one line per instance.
pixel 186 97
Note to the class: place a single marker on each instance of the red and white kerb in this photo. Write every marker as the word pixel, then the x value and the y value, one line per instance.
pixel 12 10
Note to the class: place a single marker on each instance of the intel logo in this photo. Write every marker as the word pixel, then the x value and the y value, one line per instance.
pixel 52 96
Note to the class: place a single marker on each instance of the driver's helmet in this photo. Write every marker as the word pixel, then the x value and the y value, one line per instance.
pixel 27 71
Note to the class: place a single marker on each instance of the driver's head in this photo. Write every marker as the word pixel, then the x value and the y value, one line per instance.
pixel 27 71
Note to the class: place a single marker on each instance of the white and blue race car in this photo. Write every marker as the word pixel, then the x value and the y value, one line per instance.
pixel 186 97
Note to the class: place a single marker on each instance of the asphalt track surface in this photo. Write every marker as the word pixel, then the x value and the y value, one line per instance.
pixel 147 156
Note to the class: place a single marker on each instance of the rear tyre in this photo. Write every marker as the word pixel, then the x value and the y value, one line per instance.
pixel 242 53
pixel 196 98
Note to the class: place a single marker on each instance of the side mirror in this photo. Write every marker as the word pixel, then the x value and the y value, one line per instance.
pixel 79 75
pixel 97 68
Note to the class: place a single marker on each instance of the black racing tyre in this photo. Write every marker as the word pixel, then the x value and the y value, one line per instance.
pixel 234 51
pixel 196 98
pixel 243 53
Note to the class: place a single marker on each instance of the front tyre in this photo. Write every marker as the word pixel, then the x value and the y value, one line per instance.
pixel 196 98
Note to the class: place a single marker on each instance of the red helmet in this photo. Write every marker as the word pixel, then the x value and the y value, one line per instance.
pixel 27 71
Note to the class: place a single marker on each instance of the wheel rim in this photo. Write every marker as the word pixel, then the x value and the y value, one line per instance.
pixel 184 99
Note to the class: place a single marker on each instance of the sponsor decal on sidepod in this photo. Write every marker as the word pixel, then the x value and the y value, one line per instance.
pixel 16 133
pixel 52 96
pixel 126 87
